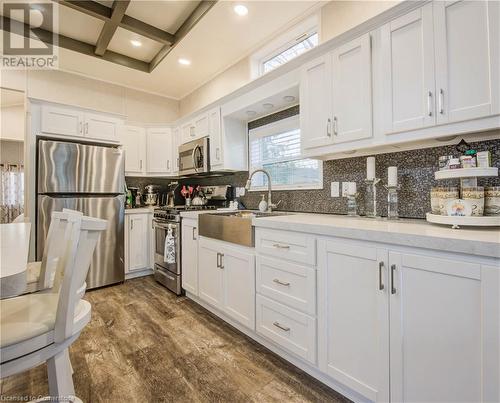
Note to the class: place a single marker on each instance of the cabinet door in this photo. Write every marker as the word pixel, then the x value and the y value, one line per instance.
pixel 210 274
pixel 58 120
pixel 201 126
pixel 133 140
pixel 239 285
pixel 159 151
pixel 101 127
pixel 407 47
pixel 215 131
pixel 353 316
pixel 190 256
pixel 315 103
pixel 176 141
pixel 467 59
pixel 441 330
pixel 188 133
pixel 138 242
pixel 352 91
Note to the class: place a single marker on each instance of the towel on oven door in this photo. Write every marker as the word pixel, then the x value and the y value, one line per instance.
pixel 169 251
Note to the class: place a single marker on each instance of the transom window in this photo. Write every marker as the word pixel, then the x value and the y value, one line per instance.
pixel 276 148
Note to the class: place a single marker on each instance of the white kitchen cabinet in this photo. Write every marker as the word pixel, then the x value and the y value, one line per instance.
pixel 133 140
pixel 190 255
pixel 62 120
pixel 159 151
pixel 101 127
pixel 176 141
pixel 353 316
pixel 226 279
pixel 210 274
pixel 201 125
pixel 315 103
pixel 188 132
pixel 137 242
pixel 352 91
pixel 407 50
pixel 443 328
pixel 215 132
pixel 467 37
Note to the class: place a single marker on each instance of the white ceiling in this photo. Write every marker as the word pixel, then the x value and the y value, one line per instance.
pixel 219 40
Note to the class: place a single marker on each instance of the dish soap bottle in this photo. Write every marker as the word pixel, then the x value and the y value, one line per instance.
pixel 263 205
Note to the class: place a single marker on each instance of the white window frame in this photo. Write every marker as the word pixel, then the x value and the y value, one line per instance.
pixel 284 41
pixel 281 126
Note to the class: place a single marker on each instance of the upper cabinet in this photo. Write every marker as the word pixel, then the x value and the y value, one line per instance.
pixel 352 91
pixel 467 39
pixel 159 151
pixel 335 93
pixel 215 132
pixel 67 121
pixel 133 140
pixel 408 72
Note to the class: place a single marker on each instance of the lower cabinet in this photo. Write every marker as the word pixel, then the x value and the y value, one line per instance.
pixel 430 321
pixel 137 241
pixel 190 255
pixel 226 275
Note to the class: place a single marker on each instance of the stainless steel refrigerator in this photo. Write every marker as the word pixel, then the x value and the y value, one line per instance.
pixel 89 179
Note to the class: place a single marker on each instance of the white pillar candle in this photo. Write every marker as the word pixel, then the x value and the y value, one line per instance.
pixel 392 176
pixel 370 168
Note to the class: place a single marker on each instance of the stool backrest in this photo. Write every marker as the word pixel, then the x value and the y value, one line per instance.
pixel 80 244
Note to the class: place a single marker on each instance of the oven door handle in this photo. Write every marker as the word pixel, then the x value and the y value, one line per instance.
pixel 197 147
pixel 164 226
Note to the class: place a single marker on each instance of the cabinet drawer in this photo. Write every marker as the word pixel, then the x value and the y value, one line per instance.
pixel 291 329
pixel 294 246
pixel 287 283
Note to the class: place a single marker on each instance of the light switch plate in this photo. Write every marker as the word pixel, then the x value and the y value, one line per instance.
pixel 240 191
pixel 335 189
pixel 345 188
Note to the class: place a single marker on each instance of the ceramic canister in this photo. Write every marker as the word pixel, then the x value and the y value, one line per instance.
pixel 445 195
pixel 435 199
pixel 476 197
pixel 492 200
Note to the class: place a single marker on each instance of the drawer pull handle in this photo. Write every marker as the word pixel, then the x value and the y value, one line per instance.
pixel 277 245
pixel 393 288
pixel 277 324
pixel 380 284
pixel 281 282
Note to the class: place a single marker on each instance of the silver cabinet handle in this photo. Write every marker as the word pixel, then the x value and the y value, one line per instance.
pixel 194 237
pixel 217 153
pixel 329 127
pixel 335 124
pixel 168 164
pixel 140 164
pixel 277 281
pixel 393 288
pixel 221 261
pixel 278 325
pixel 81 128
pixel 277 245
pixel 429 103
pixel 380 267
pixel 131 224
pixel 87 128
pixel 178 162
pixel 218 260
pixel 441 101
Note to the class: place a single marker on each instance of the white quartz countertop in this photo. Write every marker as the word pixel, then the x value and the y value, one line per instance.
pixel 139 210
pixel 417 233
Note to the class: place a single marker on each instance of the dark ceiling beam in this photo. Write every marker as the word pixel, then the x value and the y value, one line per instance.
pixel 73 44
pixel 132 24
pixel 183 30
pixel 110 26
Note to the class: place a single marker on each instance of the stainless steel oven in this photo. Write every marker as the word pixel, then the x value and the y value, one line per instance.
pixel 168 274
pixel 194 157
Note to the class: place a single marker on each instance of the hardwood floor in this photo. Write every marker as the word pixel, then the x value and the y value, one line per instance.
pixel 146 345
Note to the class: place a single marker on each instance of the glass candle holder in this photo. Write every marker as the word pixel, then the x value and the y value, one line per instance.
pixel 352 205
pixel 392 203
pixel 371 197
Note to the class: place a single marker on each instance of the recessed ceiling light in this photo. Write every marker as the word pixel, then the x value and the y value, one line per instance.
pixel 241 10
pixel 251 113
pixel 136 43
pixel 184 62
pixel 267 106
pixel 289 98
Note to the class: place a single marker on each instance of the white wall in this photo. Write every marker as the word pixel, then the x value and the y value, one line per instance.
pixel 12 123
pixel 72 89
pixel 336 17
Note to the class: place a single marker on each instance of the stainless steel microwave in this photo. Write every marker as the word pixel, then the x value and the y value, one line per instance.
pixel 194 157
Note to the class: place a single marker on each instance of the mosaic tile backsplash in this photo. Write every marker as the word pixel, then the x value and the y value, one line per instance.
pixel 415 175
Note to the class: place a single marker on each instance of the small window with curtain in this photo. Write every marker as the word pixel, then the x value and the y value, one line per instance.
pixel 275 147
